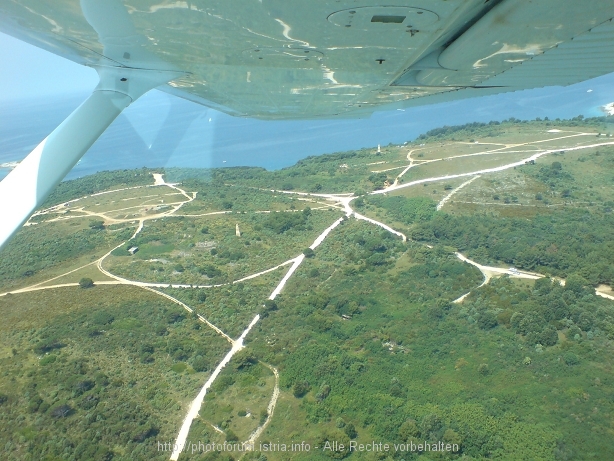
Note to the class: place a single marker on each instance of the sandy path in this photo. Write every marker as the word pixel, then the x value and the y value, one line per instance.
pixel 190 310
pixel 270 408
pixel 382 225
pixel 198 401
pixel 454 191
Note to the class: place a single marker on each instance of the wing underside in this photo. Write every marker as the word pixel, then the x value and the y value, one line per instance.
pixel 278 59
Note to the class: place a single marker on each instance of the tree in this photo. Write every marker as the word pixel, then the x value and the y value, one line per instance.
pixel 548 336
pixel 452 437
pixel 487 320
pixel 430 424
pixel 408 430
pixel 350 431
pixel 323 392
pixel 244 360
pixel 575 283
pixel 300 389
pixel 199 363
pixel 543 285
pixel 309 253
pixel 270 305
pixel 97 224
pixel 86 282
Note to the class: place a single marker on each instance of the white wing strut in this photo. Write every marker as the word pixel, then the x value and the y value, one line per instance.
pixel 31 182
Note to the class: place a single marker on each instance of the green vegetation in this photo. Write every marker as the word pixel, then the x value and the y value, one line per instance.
pixel 406 210
pixel 558 243
pixel 34 250
pixel 88 364
pixel 370 336
pixel 86 282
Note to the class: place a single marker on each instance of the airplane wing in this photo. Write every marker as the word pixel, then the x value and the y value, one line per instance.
pixel 281 59
pixel 295 59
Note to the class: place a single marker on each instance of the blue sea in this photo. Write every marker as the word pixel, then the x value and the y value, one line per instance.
pixel 164 131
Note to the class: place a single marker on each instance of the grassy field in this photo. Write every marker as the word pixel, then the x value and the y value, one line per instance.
pixel 43 251
pixel 175 250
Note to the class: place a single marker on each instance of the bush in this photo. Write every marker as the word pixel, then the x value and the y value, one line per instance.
pixel 102 318
pixel 97 225
pixel 62 411
pixel 86 282
pixel 282 222
pixel 571 359
pixel 210 270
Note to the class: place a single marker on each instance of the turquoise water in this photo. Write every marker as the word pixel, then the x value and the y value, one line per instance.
pixel 161 130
